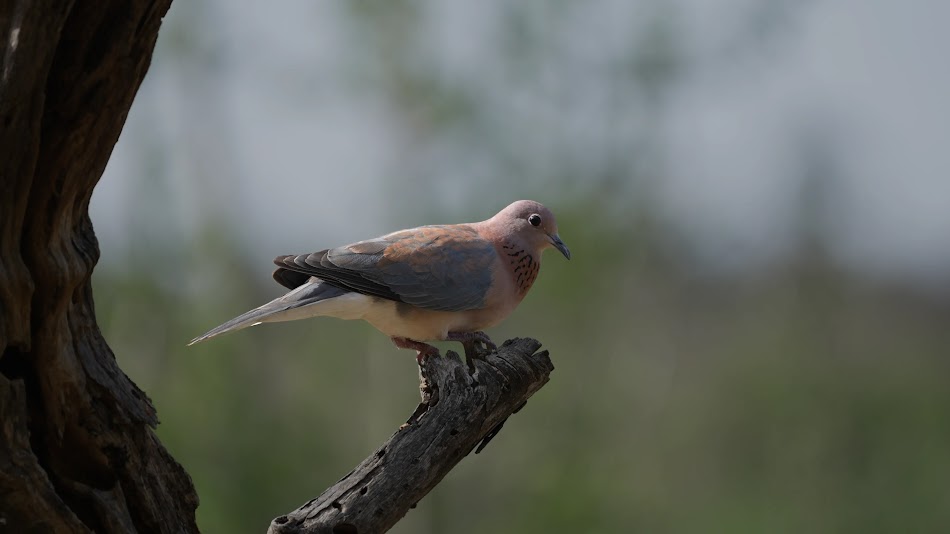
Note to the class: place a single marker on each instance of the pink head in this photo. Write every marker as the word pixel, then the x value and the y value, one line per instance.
pixel 531 224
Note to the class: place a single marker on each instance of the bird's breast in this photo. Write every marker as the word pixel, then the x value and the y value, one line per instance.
pixel 521 266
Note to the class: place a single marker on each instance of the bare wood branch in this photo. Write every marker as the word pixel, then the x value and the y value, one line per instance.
pixel 460 410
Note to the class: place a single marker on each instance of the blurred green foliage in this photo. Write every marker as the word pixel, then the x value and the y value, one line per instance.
pixel 795 398
pixel 803 400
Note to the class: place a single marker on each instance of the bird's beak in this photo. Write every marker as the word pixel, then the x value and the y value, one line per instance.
pixel 558 244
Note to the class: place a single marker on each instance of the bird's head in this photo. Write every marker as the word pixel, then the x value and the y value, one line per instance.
pixel 533 224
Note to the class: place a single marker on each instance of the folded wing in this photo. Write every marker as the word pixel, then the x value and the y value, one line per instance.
pixel 447 268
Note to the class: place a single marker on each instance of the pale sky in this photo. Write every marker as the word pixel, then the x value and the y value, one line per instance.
pixel 296 155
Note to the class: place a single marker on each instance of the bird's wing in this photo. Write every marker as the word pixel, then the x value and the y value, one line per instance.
pixel 446 268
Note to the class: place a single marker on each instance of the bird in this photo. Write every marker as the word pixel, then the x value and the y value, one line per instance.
pixel 430 283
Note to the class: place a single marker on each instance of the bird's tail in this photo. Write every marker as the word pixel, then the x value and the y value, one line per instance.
pixel 276 310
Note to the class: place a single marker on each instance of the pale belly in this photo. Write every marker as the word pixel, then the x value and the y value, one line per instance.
pixel 403 320
pixel 397 319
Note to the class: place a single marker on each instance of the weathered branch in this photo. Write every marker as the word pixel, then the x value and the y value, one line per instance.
pixel 460 410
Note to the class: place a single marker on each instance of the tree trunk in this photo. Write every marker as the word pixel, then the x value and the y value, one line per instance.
pixel 77 447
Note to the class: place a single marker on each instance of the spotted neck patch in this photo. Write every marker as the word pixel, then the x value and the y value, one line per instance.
pixel 524 268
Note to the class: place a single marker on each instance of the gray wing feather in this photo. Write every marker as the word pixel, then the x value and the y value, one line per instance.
pixel 445 268
pixel 442 268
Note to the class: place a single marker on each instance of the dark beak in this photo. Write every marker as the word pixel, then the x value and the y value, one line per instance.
pixel 558 244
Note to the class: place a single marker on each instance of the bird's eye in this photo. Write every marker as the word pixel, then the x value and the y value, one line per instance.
pixel 534 219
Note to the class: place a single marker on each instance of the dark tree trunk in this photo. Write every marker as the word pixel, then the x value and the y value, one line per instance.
pixel 77 447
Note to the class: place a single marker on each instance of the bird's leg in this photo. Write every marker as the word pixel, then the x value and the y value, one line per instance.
pixel 469 341
pixel 423 350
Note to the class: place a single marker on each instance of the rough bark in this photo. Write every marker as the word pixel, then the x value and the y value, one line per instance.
pixel 77 447
pixel 461 410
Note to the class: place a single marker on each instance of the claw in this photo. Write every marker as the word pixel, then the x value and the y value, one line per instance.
pixel 483 337
pixel 469 341
pixel 423 350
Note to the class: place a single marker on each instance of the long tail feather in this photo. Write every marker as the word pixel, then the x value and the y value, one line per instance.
pixel 305 295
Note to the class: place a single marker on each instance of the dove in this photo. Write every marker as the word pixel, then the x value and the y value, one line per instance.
pixel 431 283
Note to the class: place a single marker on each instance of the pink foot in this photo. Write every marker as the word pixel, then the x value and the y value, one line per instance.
pixel 423 350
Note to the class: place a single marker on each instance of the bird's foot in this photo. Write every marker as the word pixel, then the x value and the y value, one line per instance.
pixel 470 341
pixel 423 350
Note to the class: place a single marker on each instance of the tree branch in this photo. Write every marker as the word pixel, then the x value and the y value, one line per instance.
pixel 462 408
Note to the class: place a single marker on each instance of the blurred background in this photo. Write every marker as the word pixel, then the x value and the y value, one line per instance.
pixel 754 332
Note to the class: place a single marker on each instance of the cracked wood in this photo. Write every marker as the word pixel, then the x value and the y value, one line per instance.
pixel 463 407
